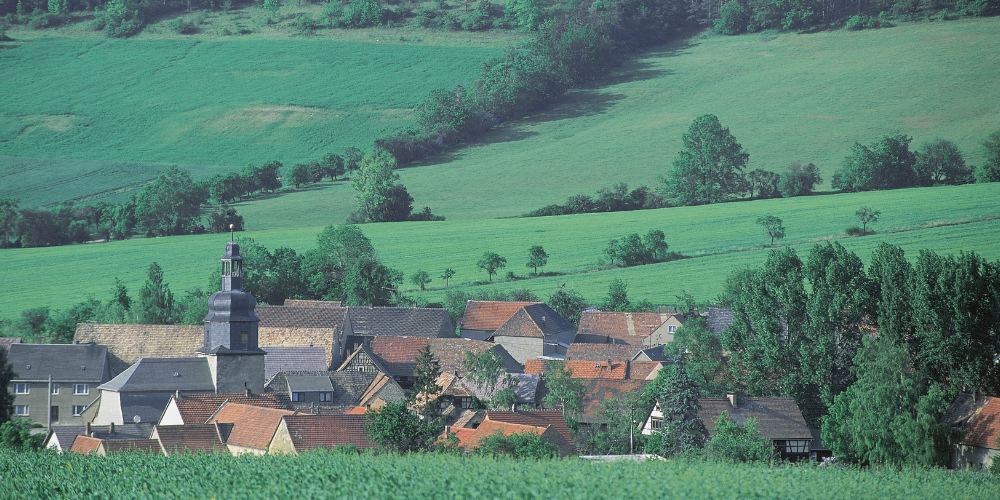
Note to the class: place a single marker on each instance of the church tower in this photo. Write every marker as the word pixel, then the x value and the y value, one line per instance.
pixel 236 363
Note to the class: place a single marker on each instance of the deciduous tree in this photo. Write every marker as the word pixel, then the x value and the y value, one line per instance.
pixel 885 164
pixel 941 162
pixel 421 279
pixel 447 275
pixel 486 370
pixel 491 263
pixel 710 167
pixel 156 302
pixel 170 205
pixel 6 398
pixel 565 392
pixel 380 197
pixel 799 180
pixel 568 304
pixel 773 226
pixel 537 257
pixel 867 216
pixel 989 170
pixel 740 443
pixel 703 352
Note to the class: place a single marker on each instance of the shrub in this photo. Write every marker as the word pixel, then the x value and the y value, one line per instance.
pixel 856 22
pixel 45 20
pixel 732 19
pixel 364 14
pixel 305 23
pixel 854 231
pixel 182 26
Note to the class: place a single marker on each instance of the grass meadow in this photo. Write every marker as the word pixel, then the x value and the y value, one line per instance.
pixel 223 102
pixel 717 238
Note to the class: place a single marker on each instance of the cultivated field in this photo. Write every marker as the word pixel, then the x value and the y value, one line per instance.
pixel 329 475
pixel 719 238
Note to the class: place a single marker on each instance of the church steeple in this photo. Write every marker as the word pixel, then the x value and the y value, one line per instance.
pixel 231 324
pixel 232 268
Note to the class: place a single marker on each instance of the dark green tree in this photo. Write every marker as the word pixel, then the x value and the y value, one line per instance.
pixel 892 296
pixel 989 170
pixel 333 165
pixel 710 167
pixel 8 220
pixel 568 304
pixel 525 444
pixel 941 162
pixel 155 305
pixel 371 283
pixel 491 263
pixel 617 298
pixel 733 19
pixel 338 249
pixel 447 275
pixel 565 392
pixel 267 176
pixel 421 279
pixel 537 257
pixel 486 370
pixel 170 205
pixel 16 435
pixel 773 226
pixel 799 180
pixel 397 428
pixel 764 183
pixel 867 216
pixel 683 429
pixel 740 443
pixel 300 175
pixel 703 352
pixel 6 398
pixel 885 164
pixel 379 195
pixel 425 375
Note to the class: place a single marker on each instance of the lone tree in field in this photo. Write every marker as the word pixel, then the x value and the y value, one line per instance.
pixel 491 263
pixel 421 279
pixel 773 227
pixel 537 257
pixel 710 167
pixel 379 195
pixel 447 274
pixel 866 216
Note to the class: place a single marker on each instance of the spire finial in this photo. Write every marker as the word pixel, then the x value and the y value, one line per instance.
pixel 232 238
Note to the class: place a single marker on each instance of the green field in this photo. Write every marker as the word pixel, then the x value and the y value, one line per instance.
pixel 203 102
pixel 328 475
pixel 718 237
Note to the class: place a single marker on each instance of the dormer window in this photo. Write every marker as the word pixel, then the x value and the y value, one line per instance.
pixel 245 338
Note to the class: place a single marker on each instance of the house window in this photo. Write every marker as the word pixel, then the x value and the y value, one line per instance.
pixel 54 413
pixel 795 446
pixel 55 389
pixel 466 403
pixel 21 410
pixel 22 389
pixel 81 389
pixel 78 410
pixel 656 423
pixel 671 329
pixel 325 397
pixel 298 397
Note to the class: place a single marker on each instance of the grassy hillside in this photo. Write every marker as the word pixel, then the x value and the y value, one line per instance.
pixel 785 97
pixel 203 102
pixel 719 238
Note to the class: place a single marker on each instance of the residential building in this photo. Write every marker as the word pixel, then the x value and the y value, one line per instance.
pixel 482 318
pixel 54 383
pixel 298 433
pixel 979 418
pixel 533 331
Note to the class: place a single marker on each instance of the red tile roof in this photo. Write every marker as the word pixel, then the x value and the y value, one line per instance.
pixel 85 445
pixel 582 369
pixel 630 328
pixel 189 438
pixel 149 446
pixel 313 431
pixel 600 352
pixel 643 370
pixel 198 408
pixel 537 418
pixel 488 315
pixel 980 417
pixel 253 426
pixel 398 355
pixel 357 410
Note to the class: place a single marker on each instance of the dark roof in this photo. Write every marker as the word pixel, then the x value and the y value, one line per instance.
pixel 128 343
pixel 64 362
pixel 400 322
pixel 300 317
pixel 148 406
pixel 293 358
pixel 526 388
pixel 382 388
pixel 313 431
pixel 190 438
pixel 163 374
pixel 398 355
pixel 198 408
pixel 150 446
pixel 536 418
pixel 5 342
pixel 67 433
pixel 777 418
pixel 309 383
pixel 536 320
pixel 600 390
pixel 253 426
pixel 654 353
pixel 979 417
pixel 311 303
pixel 600 352
pixel 348 387
pixel 488 315
pixel 719 318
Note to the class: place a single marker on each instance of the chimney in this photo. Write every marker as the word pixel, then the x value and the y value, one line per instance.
pixel 249 394
pixel 86 428
pixel 732 398
pixel 513 408
pixel 447 429
pixel 111 428
pixel 177 394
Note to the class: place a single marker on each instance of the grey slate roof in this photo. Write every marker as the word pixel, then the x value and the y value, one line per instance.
pixel 66 433
pixel 148 406
pixel 400 322
pixel 309 383
pixel 347 386
pixel 654 353
pixel 300 317
pixel 64 362
pixel 778 417
pixel 526 388
pixel 163 374
pixel 293 358
pixel 536 320
pixel 719 318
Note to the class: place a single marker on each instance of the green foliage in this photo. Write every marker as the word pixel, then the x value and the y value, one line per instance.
pixel 487 371
pixel 491 262
pixel 703 352
pixel 989 171
pixel 867 216
pixel 773 226
pixel 225 219
pixel 123 18
pixel 170 205
pixel 398 429
pixel 633 250
pixel 518 445
pixel 886 164
pixel 740 443
pixel 863 21
pixel 447 275
pixel 526 14
pixel 6 398
pixel 371 283
pixel 537 257
pixel 710 167
pixel 183 26
pixel 617 298
pixel 425 375
pixel 568 304
pixel 421 279
pixel 16 435
pixel 155 305
pixel 622 419
pixel 565 392
pixel 379 195
pixel 683 429
pixel 364 14
pixel 733 19
pixel 764 183
pixel 799 180
pixel 480 18
pixel 941 162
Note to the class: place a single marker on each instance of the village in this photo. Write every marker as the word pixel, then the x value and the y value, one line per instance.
pixel 287 379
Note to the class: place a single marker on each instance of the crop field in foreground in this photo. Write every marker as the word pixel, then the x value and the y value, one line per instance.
pixel 718 238
pixel 329 475
pixel 205 102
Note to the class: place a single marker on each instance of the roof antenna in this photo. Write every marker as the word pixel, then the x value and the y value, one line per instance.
pixel 232 238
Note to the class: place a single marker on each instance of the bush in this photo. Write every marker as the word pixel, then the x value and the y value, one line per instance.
pixel 856 22
pixel 305 23
pixel 854 231
pixel 732 19
pixel 45 20
pixel 182 26
pixel 364 14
